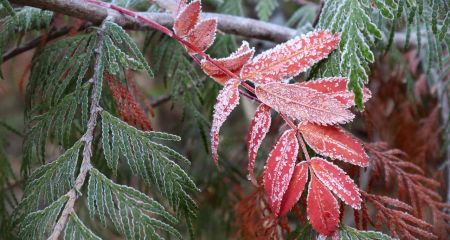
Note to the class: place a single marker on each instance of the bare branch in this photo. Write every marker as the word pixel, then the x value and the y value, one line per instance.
pixel 229 24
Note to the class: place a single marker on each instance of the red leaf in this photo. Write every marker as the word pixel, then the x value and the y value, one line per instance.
pixel 181 4
pixel 337 181
pixel 334 142
pixel 258 129
pixel 279 168
pixel 303 103
pixel 227 100
pixel 295 189
pixel 233 63
pixel 322 208
pixel 187 18
pixel 335 87
pixel 290 58
pixel 203 35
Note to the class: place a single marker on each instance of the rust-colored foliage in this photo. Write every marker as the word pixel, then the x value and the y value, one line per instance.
pixel 412 185
pixel 254 220
pixel 127 106
pixel 396 216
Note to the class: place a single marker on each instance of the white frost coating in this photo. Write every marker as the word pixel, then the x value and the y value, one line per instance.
pixel 321 207
pixel 227 100
pixel 187 18
pixel 334 142
pixel 303 103
pixel 336 87
pixel 337 181
pixel 203 35
pixel 279 168
pixel 233 63
pixel 258 129
pixel 290 58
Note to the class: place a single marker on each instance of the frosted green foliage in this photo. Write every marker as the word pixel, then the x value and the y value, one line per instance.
pixel 49 182
pixel 39 225
pixel 181 75
pixel 303 18
pixel 153 162
pixel 8 199
pixel 57 67
pixel 122 51
pixel 76 230
pixel 358 34
pixel 349 233
pixel 24 20
pixel 7 6
pixel 56 122
pixel 130 211
pixel 232 7
pixel 265 8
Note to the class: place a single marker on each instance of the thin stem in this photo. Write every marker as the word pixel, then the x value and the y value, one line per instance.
pixel 87 139
pixel 303 145
pixel 193 48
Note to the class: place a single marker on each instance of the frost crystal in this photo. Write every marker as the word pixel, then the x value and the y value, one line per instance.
pixel 295 189
pixel 258 129
pixel 303 103
pixel 335 87
pixel 290 58
pixel 322 208
pixel 203 35
pixel 334 142
pixel 279 168
pixel 227 100
pixel 187 19
pixel 233 63
pixel 337 181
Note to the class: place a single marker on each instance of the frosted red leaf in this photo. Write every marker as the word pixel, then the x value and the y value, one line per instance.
pixel 303 103
pixel 187 18
pixel 233 63
pixel 203 35
pixel 334 142
pixel 290 58
pixel 279 168
pixel 337 181
pixel 322 208
pixel 296 187
pixel 181 4
pixel 258 129
pixel 336 87
pixel 227 100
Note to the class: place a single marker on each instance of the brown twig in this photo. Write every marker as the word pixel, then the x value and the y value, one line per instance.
pixel 87 149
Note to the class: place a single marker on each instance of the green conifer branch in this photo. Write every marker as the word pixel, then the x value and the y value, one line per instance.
pixel 87 138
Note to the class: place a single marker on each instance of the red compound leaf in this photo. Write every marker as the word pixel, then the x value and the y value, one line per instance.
pixel 290 58
pixel 258 129
pixel 322 208
pixel 303 103
pixel 233 63
pixel 227 100
pixel 334 142
pixel 203 35
pixel 335 87
pixel 187 19
pixel 337 181
pixel 279 168
pixel 295 189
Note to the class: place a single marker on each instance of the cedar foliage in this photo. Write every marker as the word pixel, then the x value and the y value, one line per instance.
pixel 92 166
